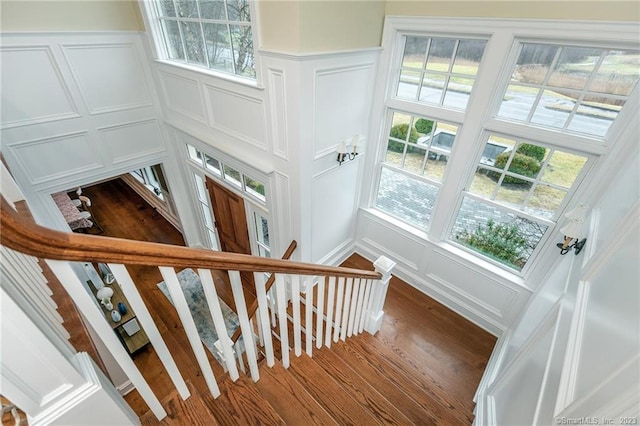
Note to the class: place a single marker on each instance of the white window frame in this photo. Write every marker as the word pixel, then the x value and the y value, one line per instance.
pixel 160 51
pixel 481 118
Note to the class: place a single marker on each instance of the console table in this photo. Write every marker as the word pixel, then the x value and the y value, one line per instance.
pixel 136 341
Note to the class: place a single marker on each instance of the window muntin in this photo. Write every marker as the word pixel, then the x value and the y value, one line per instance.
pixel 439 71
pixel 572 88
pixel 215 34
pixel 526 176
pixel 246 184
pixel 422 150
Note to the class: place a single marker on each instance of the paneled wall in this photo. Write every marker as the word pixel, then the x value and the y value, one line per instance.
pixel 76 108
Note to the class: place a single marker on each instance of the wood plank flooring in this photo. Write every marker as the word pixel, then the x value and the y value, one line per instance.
pixel 422 367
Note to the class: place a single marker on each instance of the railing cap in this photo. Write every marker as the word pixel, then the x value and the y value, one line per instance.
pixel 384 265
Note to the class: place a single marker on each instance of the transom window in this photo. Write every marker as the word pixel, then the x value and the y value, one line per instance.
pixel 521 149
pixel 215 34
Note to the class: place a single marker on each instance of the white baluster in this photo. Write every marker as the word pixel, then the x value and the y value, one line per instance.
pixel 272 306
pixel 308 323
pixel 180 303
pixel 330 297
pixel 295 302
pixel 245 326
pixel 320 312
pixel 356 323
pixel 263 314
pixel 211 294
pixel 354 303
pixel 281 299
pixel 365 305
pixel 345 308
pixel 92 313
pixel 149 326
pixel 339 306
pixel 379 293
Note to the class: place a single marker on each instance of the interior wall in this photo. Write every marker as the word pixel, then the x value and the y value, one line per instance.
pixel 94 15
pixel 545 9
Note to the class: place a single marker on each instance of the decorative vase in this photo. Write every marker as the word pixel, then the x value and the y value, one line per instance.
pixel 122 308
pixel 115 316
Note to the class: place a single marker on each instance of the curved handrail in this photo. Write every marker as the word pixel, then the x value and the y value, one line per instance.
pixel 21 235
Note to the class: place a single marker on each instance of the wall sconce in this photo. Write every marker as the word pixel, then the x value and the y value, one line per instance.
pixel 573 231
pixel 348 151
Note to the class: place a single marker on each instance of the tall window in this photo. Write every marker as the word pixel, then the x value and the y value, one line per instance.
pixel 215 34
pixel 546 110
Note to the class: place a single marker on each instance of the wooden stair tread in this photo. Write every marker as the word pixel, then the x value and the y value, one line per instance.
pixel 240 402
pixel 192 411
pixel 336 400
pixel 366 394
pixel 292 401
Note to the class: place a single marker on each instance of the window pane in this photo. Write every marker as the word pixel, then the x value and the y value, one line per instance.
pixel 200 189
pixel 468 57
pixel 458 91
pixel 415 49
pixel 166 8
pixel 482 184
pixel 552 110
pixel 208 218
pixel 212 239
pixel 187 8
pixel 574 66
pixel 194 154
pixel 408 199
pixel 511 195
pixel 563 169
pixel 212 164
pixel 254 187
pixel 517 102
pixel 232 175
pixel 432 87
pixel 212 9
pixel 238 10
pixel 262 229
pixel 436 165
pixel 502 236
pixel 618 73
pixel 440 53
pixel 242 42
pixel 595 119
pixel 408 84
pixel 218 46
pixel 174 42
pixel 395 151
pixel 414 160
pixel 533 63
pixel 545 201
pixel 193 42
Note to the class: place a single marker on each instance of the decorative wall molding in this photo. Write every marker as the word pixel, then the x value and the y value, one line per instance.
pixel 223 110
pixel 276 82
pixel 133 140
pixel 23 102
pixel 179 92
pixel 57 157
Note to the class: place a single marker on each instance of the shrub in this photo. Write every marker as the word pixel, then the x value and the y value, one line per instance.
pixel 399 131
pixel 533 151
pixel 521 164
pixel 500 241
pixel 423 125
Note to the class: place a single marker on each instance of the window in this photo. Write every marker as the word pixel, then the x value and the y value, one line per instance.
pixel 494 173
pixel 215 34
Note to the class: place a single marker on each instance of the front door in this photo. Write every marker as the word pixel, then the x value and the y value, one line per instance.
pixel 231 222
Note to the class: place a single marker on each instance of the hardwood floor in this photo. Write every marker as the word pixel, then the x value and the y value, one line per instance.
pixel 422 367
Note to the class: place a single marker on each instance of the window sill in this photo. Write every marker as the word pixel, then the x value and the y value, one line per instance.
pixel 451 250
pixel 211 73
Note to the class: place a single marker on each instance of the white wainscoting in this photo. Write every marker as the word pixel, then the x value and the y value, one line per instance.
pixel 110 76
pixel 277 90
pixel 77 108
pixel 183 95
pixel 488 300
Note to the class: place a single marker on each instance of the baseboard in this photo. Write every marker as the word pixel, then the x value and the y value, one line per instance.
pixel 338 255
pixel 431 290
pixel 125 388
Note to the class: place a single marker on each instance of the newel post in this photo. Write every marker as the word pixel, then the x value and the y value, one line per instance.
pixel 383 265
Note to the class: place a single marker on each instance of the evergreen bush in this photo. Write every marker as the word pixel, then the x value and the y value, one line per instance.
pixel 399 131
pixel 533 151
pixel 500 241
pixel 521 164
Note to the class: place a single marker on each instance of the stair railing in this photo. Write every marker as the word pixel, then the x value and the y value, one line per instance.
pixel 353 301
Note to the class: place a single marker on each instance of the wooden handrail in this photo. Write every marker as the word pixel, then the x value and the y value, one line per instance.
pixel 267 286
pixel 24 236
